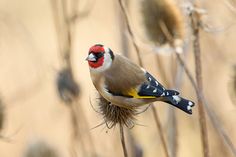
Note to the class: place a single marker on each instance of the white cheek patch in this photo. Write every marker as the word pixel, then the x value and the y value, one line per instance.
pixel 106 49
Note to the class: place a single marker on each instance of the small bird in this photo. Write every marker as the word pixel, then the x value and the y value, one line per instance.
pixel 127 85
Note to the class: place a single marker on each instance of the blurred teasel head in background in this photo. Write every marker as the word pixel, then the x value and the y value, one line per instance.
pixel 164 23
pixel 67 88
pixel 40 149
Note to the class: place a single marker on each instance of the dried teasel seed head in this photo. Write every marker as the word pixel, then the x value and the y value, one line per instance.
pixel 114 115
pixel 40 149
pixel 67 88
pixel 164 23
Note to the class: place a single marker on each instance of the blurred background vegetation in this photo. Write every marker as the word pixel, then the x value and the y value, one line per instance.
pixel 45 87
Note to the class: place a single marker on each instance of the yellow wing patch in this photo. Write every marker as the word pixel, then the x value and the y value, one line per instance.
pixel 134 94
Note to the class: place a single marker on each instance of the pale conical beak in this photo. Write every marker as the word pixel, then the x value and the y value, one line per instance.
pixel 91 57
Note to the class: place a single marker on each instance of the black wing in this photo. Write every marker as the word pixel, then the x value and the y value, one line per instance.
pixel 154 88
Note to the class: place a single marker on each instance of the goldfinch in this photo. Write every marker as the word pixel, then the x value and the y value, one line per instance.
pixel 127 85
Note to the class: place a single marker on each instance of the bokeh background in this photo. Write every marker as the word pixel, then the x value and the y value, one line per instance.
pixel 30 59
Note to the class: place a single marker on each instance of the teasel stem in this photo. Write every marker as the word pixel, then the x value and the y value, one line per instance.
pixel 195 25
pixel 65 27
pixel 159 128
pixel 141 64
pixel 122 138
pixel 131 34
pixel 76 132
pixel 212 116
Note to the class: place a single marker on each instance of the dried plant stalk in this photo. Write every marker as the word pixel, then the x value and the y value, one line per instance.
pixel 114 115
pixel 122 137
pixel 67 87
pixel 195 24
pixel 133 147
pixel 165 27
pixel 172 119
pixel 124 41
pixel 158 124
pixel 172 133
pixel 213 118
pixel 76 132
pixel 131 34
pixel 139 57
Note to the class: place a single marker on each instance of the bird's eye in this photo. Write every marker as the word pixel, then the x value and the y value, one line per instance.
pixel 98 55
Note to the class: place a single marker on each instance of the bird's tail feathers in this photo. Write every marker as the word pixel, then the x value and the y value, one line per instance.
pixel 179 102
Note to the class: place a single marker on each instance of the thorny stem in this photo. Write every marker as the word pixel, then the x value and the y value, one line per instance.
pixel 56 18
pixel 68 29
pixel 122 138
pixel 221 131
pixel 124 40
pixel 76 134
pixel 173 131
pixel 130 32
pixel 213 118
pixel 195 23
pixel 83 118
pixel 68 26
pixel 172 120
pixel 158 124
pixel 141 64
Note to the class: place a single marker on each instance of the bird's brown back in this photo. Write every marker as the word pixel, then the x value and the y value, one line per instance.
pixel 123 75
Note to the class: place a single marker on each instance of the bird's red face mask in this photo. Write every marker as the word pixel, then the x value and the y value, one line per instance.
pixel 96 56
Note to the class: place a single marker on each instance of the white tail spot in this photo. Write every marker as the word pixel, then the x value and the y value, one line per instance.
pixel 190 103
pixel 176 98
pixel 189 108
